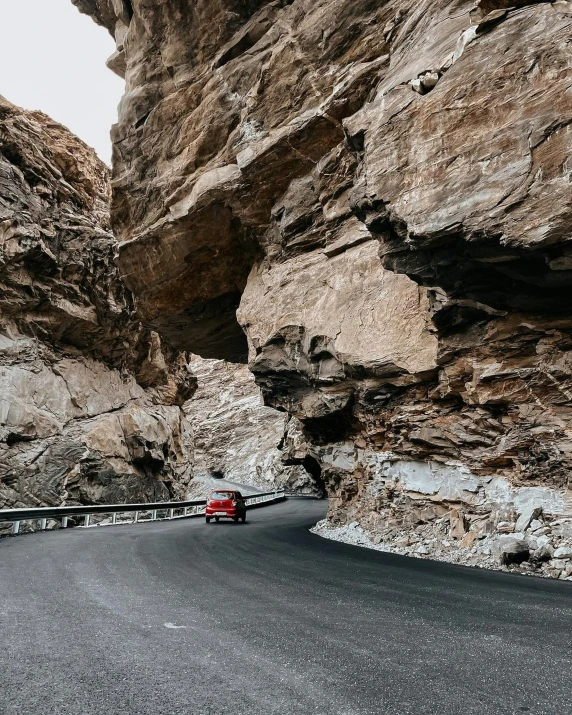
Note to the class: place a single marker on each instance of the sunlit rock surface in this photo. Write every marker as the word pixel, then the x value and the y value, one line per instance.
pixel 373 202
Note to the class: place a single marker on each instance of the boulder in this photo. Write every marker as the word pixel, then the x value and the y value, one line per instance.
pixel 526 516
pixel 543 539
pixel 469 538
pixel 458 524
pixel 542 553
pixel 510 550
pixel 563 552
pixel 559 564
pixel 532 542
pixel 506 527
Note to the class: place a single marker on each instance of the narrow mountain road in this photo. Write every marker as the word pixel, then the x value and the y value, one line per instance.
pixel 184 618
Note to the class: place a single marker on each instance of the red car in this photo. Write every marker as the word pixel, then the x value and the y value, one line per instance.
pixel 225 503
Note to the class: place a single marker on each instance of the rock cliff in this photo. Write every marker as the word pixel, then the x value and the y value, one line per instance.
pixel 90 401
pixel 237 438
pixel 371 200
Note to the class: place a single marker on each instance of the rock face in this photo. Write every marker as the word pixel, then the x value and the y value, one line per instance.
pixel 379 195
pixel 90 401
pixel 237 438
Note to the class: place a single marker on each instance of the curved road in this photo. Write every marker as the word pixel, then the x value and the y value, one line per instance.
pixel 184 618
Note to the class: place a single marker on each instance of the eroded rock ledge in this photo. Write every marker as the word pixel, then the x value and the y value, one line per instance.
pixel 384 193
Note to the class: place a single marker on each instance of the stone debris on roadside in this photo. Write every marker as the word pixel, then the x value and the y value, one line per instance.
pixel 536 550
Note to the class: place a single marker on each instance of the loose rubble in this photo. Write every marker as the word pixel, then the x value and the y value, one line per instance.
pixel 545 550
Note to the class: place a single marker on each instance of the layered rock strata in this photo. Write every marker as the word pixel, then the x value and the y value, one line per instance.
pixel 90 400
pixel 236 438
pixel 383 191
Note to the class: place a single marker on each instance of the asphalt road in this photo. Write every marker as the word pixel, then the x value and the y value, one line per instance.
pixel 263 618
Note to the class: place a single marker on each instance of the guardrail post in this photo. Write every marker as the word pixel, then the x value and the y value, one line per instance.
pixel 64 522
pixel 114 518
pixel 87 519
pixel 153 514
pixel 43 523
pixel 185 511
pixel 15 527
pixel 171 513
pixel 136 517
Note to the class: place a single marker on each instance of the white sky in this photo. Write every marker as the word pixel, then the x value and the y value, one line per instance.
pixel 53 58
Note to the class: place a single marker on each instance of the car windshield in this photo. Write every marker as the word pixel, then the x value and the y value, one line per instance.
pixel 222 495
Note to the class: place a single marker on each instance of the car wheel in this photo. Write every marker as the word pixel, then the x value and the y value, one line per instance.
pixel 208 519
pixel 217 518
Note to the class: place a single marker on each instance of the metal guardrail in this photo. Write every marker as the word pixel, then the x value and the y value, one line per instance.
pixel 191 508
pixel 299 495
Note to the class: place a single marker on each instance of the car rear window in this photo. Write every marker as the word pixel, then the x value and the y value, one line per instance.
pixel 222 495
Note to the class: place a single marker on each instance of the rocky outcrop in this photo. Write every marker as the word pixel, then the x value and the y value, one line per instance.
pixel 379 196
pixel 237 438
pixel 90 401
